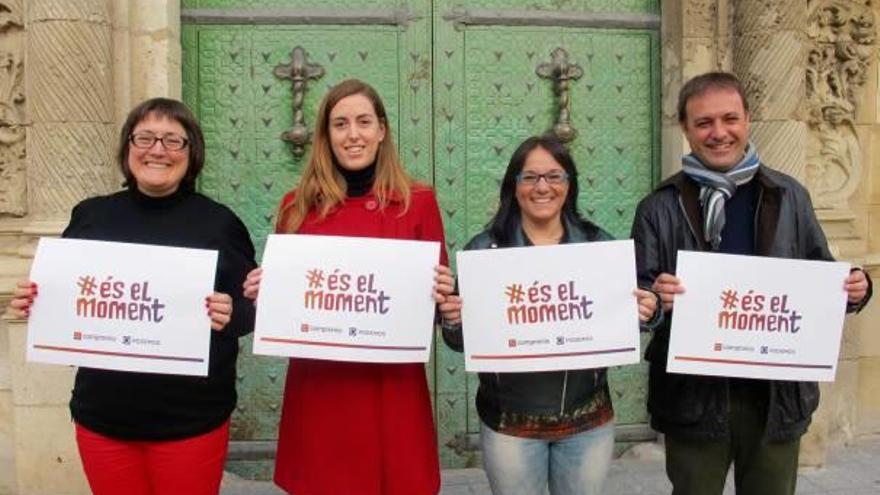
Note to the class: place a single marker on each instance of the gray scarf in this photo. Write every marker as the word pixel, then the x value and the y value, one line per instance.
pixel 717 187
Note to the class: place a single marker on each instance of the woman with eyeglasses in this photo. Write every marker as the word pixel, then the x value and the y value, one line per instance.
pixel 155 434
pixel 553 429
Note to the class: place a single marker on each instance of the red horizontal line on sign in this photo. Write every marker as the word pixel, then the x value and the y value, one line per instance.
pixel 349 346
pixel 120 354
pixel 753 363
pixel 551 355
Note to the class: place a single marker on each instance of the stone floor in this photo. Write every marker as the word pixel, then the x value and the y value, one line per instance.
pixel 853 470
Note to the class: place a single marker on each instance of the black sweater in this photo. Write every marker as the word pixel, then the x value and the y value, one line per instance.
pixel 147 406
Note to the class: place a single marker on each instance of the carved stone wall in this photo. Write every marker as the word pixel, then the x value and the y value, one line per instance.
pixel 13 198
pixel 842 116
pixel 13 192
pixel 841 46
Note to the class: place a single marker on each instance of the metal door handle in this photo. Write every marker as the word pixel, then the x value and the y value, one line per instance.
pixel 561 71
pixel 299 71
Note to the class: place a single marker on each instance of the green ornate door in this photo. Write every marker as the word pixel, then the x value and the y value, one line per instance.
pixel 462 86
pixel 491 91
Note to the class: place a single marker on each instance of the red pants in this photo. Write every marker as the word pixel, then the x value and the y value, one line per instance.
pixel 191 466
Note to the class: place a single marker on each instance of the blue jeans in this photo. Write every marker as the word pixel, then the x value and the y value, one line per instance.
pixel 576 465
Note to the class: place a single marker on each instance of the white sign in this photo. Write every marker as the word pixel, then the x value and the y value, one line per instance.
pixel 347 298
pixel 543 308
pixel 754 317
pixel 119 306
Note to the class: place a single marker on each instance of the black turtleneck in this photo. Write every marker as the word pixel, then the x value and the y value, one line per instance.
pixel 147 406
pixel 358 182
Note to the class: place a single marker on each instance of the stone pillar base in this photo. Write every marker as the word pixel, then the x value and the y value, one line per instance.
pixel 46 457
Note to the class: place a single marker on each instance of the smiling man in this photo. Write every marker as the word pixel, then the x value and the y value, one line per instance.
pixel 726 200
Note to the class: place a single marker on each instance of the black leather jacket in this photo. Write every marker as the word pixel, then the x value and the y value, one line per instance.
pixel 552 393
pixel 785 227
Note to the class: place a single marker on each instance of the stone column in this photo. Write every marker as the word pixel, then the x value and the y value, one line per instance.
pixel 147 52
pixel 769 56
pixel 696 38
pixel 69 83
pixel 70 142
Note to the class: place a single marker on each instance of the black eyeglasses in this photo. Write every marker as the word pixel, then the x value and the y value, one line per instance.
pixel 553 177
pixel 146 140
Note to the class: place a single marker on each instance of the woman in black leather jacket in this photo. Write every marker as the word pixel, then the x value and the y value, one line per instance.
pixel 540 429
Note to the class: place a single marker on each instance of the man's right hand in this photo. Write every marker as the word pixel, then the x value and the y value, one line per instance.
pixel 667 285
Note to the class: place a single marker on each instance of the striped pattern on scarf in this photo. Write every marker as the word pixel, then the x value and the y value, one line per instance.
pixel 717 187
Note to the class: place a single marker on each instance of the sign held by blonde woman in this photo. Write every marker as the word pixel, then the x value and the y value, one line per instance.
pixel 346 299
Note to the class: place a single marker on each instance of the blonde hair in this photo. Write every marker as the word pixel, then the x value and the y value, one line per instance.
pixel 322 187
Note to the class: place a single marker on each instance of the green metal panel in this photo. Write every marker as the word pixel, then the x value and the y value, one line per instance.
pixel 461 96
pixel 488 98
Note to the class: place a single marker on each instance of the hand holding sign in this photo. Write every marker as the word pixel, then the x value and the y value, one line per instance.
pixel 448 303
pixel 647 304
pixel 22 298
pixel 856 286
pixel 667 285
pixel 219 310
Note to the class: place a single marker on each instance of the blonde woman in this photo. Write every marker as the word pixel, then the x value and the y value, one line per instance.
pixel 362 428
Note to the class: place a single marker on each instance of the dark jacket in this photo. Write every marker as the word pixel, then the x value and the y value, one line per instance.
pixel 534 393
pixel 668 220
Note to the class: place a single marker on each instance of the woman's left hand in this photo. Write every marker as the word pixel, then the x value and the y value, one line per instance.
pixel 219 309
pixel 444 283
pixel 647 304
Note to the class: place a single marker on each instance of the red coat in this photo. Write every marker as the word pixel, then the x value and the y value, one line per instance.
pixel 361 428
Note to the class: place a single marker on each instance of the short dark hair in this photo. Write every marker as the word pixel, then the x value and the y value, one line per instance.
pixel 508 216
pixel 705 82
pixel 170 109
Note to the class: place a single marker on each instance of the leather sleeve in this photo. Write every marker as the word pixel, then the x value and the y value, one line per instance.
pixel 647 244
